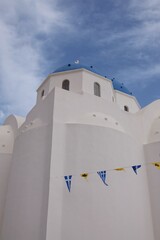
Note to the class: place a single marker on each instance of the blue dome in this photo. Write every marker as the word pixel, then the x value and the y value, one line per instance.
pixel 74 66
pixel 116 85
pixel 120 87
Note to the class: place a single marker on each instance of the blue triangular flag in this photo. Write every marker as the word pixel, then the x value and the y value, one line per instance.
pixel 68 181
pixel 135 168
pixel 102 175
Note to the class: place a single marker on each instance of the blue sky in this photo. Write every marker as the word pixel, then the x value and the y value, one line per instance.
pixel 119 38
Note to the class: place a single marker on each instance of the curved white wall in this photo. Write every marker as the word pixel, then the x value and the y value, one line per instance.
pixel 91 210
pixel 154 134
pixel 150 117
pixel 6 148
pixel 99 119
pixel 27 198
pixel 152 154
pixel 25 214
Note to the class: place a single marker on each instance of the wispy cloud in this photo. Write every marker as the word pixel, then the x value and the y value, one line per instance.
pixel 132 46
pixel 140 75
pixel 24 27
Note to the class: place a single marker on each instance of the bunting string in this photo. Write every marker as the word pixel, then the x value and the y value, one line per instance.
pixel 156 164
pixel 103 174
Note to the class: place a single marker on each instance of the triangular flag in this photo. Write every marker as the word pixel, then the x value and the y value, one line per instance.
pixel 102 175
pixel 68 181
pixel 135 168
pixel 156 164
pixel 84 175
pixel 119 169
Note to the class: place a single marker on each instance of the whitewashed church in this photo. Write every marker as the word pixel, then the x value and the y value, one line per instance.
pixel 83 165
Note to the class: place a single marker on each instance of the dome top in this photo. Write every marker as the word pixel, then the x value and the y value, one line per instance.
pixel 74 66
pixel 68 67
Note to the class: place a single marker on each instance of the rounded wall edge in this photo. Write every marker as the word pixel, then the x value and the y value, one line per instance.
pixel 15 122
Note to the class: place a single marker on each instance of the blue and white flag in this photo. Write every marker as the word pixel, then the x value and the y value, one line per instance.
pixel 68 181
pixel 103 175
pixel 135 168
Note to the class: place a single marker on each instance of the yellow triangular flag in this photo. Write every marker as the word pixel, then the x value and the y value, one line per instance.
pixel 156 164
pixel 84 175
pixel 119 169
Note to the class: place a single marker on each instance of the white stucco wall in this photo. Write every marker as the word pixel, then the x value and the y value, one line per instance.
pixel 14 122
pixel 72 107
pixel 6 139
pixel 90 146
pixel 152 154
pixel 56 79
pixel 150 117
pixel 106 89
pixel 26 204
pixel 92 210
pixel 71 132
pixel 45 86
pixel 6 148
pixel 27 198
pixel 5 164
pixel 123 99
